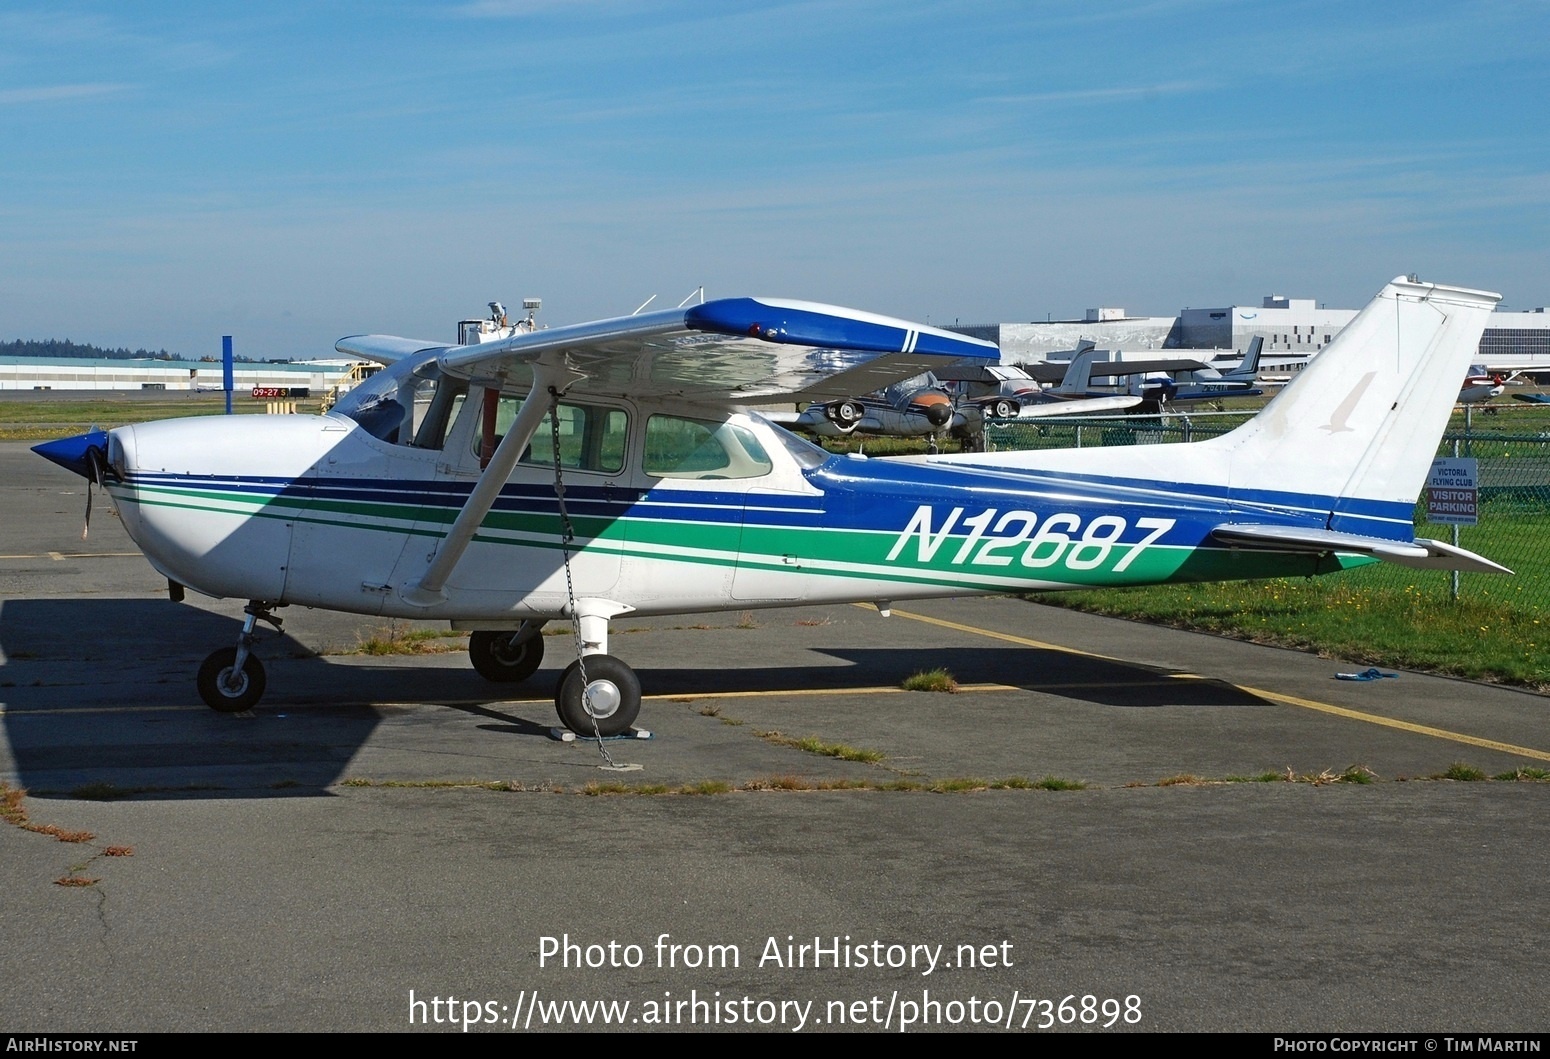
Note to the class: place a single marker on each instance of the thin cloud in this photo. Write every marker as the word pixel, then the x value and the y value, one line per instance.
pixel 1104 95
pixel 57 93
pixel 518 8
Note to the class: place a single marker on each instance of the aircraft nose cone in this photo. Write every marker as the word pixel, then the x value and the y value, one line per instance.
pixel 73 453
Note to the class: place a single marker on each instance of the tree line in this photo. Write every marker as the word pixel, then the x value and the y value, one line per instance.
pixel 63 347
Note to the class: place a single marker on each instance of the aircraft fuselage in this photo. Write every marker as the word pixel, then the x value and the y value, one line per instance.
pixel 315 511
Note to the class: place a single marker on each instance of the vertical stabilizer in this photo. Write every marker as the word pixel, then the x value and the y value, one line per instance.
pixel 1078 376
pixel 1361 422
pixel 1345 447
pixel 1248 371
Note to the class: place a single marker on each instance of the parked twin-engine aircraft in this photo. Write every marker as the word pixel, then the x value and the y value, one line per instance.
pixel 1208 383
pixel 956 400
pixel 586 472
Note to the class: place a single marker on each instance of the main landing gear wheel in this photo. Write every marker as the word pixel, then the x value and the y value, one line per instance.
pixel 227 689
pixel 506 657
pixel 611 696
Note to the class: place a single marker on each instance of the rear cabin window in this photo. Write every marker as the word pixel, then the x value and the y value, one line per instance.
pixel 696 448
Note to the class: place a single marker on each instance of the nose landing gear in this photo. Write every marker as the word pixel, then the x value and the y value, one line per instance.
pixel 231 679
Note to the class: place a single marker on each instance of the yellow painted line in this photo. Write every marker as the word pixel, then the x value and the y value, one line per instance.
pixel 1404 726
pixel 694 696
pixel 61 556
pixel 68 711
pixel 1008 637
pixel 810 692
pixel 1290 700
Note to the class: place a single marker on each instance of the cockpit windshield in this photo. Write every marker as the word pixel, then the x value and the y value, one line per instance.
pixel 374 404
pixel 410 403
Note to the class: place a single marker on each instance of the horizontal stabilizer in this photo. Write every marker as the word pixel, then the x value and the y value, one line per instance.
pixel 1423 553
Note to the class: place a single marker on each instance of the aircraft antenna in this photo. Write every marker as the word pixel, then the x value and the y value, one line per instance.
pixel 698 290
pixel 643 304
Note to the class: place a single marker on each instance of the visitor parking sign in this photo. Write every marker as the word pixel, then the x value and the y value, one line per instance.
pixel 1452 493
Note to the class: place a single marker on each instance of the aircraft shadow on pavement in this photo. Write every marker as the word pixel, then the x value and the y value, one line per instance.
pixel 102 692
pixel 1095 680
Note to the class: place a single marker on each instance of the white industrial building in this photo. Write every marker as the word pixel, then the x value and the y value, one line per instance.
pixel 1293 330
pixel 78 373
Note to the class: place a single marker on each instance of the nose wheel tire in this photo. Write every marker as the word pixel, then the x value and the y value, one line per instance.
pixel 502 658
pixel 610 696
pixel 226 689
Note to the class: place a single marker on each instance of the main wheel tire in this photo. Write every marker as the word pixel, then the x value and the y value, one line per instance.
pixel 226 691
pixel 502 658
pixel 1004 409
pixel 610 697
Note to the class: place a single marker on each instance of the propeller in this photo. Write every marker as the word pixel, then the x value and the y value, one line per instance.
pixel 96 476
pixel 84 454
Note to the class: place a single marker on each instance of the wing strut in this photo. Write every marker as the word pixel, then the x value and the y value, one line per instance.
pixel 431 588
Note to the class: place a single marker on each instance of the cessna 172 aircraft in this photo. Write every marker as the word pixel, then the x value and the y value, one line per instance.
pixel 590 471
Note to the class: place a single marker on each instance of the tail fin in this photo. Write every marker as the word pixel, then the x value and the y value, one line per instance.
pixel 1248 371
pixel 1079 372
pixel 1361 422
pixel 1351 437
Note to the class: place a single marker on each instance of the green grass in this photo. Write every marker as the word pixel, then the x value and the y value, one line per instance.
pixel 1055 783
pixel 1383 614
pixel 813 745
pixel 31 420
pixel 1390 615
pixel 391 640
pixel 1525 774
pixel 939 680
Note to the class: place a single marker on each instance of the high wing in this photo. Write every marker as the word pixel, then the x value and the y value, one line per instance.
pixel 1077 406
pixel 384 349
pixel 1114 368
pixel 1061 370
pixel 725 352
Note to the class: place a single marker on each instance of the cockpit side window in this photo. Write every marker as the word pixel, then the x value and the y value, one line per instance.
pixel 592 437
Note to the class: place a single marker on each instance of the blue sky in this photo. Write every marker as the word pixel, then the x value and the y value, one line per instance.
pixel 293 172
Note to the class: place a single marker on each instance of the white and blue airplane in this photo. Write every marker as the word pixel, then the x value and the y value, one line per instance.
pixel 586 472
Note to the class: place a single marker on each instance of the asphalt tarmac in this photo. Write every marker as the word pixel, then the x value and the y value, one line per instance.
pixel 390 843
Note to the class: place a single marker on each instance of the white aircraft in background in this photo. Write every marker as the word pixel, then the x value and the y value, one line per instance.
pixel 586 472
pixel 1480 385
pixel 1171 378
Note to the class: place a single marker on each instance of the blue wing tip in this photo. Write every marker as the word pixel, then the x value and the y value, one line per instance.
pixel 830 327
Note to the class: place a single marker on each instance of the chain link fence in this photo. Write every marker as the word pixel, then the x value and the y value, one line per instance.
pixel 1514 497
